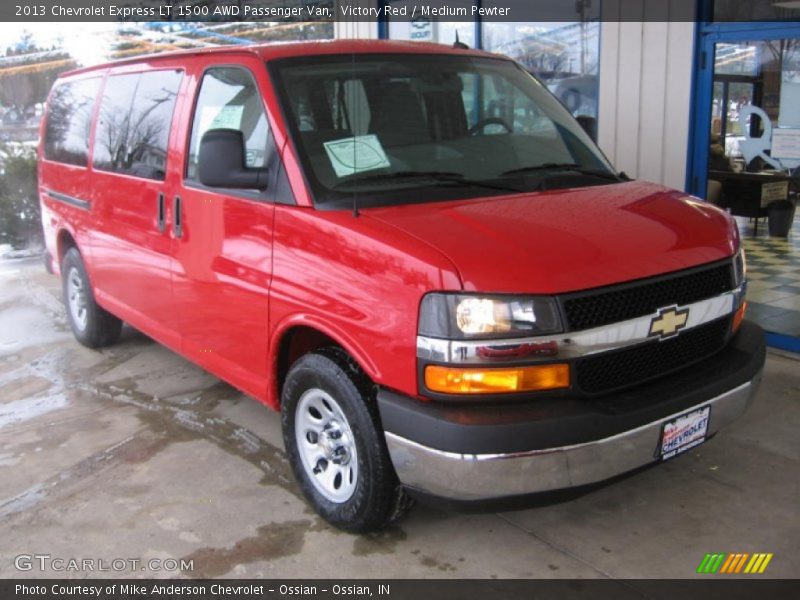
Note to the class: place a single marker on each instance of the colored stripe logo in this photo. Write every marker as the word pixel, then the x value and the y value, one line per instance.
pixel 737 562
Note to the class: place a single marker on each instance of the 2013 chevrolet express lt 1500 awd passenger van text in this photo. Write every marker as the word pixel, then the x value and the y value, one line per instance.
pixel 413 252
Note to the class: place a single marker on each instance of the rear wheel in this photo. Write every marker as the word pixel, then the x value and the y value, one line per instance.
pixel 335 443
pixel 92 325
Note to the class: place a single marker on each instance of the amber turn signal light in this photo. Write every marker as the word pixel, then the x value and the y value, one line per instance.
pixel 738 317
pixel 454 380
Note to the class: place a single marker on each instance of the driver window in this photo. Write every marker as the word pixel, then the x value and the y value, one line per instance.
pixel 229 99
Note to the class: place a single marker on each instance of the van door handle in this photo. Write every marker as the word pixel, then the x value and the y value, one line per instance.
pixel 177 218
pixel 161 220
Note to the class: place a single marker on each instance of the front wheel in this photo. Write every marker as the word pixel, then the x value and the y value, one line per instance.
pixel 336 446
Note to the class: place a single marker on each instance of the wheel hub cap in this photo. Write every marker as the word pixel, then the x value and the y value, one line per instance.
pixel 334 444
pixel 326 445
pixel 76 299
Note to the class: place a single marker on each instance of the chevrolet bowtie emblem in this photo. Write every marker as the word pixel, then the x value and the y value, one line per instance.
pixel 669 321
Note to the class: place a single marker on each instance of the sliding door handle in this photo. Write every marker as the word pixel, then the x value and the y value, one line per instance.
pixel 161 217
pixel 177 217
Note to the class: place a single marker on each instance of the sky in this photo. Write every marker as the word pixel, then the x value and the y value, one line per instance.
pixel 88 43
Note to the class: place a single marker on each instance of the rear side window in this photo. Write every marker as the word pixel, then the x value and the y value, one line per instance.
pixel 69 121
pixel 229 99
pixel 135 120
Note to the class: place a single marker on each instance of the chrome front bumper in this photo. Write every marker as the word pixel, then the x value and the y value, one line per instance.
pixel 486 476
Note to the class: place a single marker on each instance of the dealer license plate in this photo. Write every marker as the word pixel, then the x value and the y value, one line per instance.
pixel 684 432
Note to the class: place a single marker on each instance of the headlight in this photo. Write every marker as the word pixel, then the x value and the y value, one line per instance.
pixel 460 316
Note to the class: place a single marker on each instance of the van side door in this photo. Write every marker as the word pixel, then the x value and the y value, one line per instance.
pixel 222 238
pixel 131 244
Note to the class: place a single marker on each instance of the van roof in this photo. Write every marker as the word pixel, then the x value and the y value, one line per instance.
pixel 276 50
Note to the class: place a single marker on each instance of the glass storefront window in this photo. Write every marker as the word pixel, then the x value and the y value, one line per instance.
pixel 753 164
pixel 430 30
pixel 563 52
pixel 565 56
pixel 755 82
pixel 735 59
pixel 424 30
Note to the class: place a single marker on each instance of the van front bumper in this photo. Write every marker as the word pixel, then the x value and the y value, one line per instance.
pixel 473 452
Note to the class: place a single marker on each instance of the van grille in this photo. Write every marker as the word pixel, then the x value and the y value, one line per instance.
pixel 588 309
pixel 623 368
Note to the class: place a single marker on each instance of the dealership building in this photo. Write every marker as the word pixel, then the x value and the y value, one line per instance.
pixel 689 93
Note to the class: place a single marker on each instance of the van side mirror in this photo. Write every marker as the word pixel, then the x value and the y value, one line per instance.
pixel 589 125
pixel 220 162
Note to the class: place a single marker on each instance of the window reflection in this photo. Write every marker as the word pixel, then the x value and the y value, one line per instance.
pixel 69 121
pixel 565 56
pixel 423 29
pixel 758 74
pixel 562 50
pixel 229 99
pixel 135 119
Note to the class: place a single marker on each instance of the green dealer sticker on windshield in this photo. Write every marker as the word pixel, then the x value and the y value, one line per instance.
pixel 353 155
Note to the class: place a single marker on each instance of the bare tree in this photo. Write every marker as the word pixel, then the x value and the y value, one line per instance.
pixel 783 49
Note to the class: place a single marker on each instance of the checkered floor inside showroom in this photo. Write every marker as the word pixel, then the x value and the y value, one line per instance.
pixel 773 271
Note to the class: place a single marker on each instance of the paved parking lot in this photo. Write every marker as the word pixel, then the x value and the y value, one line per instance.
pixel 132 452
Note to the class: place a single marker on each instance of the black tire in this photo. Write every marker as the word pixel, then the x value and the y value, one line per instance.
pixel 377 498
pixel 99 327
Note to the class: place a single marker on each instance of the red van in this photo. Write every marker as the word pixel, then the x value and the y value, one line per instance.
pixel 413 252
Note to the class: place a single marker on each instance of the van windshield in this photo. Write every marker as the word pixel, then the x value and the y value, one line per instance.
pixel 404 128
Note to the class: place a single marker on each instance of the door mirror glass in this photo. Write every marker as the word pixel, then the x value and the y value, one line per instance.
pixel 221 162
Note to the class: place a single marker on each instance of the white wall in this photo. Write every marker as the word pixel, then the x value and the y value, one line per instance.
pixel 645 90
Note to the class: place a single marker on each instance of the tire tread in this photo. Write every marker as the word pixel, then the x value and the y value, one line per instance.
pixel 389 502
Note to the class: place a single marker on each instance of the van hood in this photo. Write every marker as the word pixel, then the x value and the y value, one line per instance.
pixel 570 239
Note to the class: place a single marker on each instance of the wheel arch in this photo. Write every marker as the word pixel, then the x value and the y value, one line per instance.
pixel 301 334
pixel 65 239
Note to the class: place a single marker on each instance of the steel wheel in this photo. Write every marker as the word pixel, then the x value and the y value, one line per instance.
pixel 335 444
pixel 90 323
pixel 326 445
pixel 76 298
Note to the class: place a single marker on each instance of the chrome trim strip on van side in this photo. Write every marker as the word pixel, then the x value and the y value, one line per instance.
pixel 71 200
pixel 572 344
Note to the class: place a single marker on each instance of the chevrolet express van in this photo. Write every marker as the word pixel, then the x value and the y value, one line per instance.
pixel 413 252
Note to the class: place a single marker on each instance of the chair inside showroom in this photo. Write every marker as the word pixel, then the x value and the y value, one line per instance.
pixel 714 192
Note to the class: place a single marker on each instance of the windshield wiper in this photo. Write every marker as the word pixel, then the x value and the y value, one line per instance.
pixel 576 168
pixel 438 176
